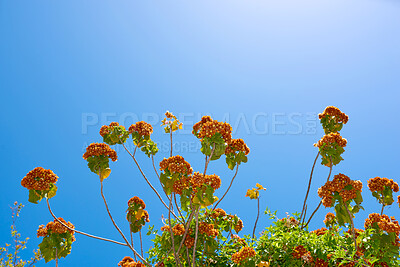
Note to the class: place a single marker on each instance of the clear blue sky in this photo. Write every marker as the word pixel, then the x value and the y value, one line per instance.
pixel 66 68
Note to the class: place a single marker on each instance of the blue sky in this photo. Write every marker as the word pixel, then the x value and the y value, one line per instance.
pixel 267 67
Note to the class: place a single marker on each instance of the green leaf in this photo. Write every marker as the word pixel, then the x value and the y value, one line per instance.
pixel 52 191
pixel 35 196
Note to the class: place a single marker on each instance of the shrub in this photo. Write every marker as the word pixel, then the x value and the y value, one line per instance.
pixel 197 233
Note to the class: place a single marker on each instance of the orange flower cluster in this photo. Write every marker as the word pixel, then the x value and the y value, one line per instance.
pixel 56 227
pixel 389 225
pixel 176 164
pixel 165 228
pixel 338 184
pixel 136 200
pixel 243 254
pixel 129 262
pixel 239 226
pixel 299 251
pixel 330 139
pixel 212 180
pixel 378 184
pixel 398 200
pixel 189 241
pixel 141 127
pixel 207 127
pixel 334 112
pixel 105 129
pixel 208 229
pixel 39 179
pixel 181 184
pixel 196 181
pixel 178 229
pixel 100 149
pixel 237 145
pixel 138 214
pixel 329 218
pixel 218 213
pixel 320 231
pixel 321 263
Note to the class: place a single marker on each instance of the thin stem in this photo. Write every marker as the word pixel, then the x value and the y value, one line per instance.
pixel 186 230
pixel 169 251
pixel 80 232
pixel 187 255
pixel 148 182
pixel 309 186
pixel 154 167
pixel 170 130
pixel 198 208
pixel 383 204
pixel 208 160
pixel 233 178
pixel 132 241
pixel 56 258
pixel 305 214
pixel 195 237
pixel 172 234
pixel 14 228
pixel 229 234
pixel 155 170
pixel 319 205
pixel 141 241
pixel 177 207
pixel 258 215
pixel 309 219
pixel 116 226
pixel 352 226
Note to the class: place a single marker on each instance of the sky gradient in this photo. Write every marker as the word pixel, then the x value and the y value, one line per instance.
pixel 266 67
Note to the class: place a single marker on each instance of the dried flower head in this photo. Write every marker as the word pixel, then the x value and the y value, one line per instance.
pixel 136 200
pixel 330 219
pixel 55 227
pixel 378 184
pixel 100 149
pixel 165 228
pixel 298 252
pixel 239 226
pixel 129 262
pixel 386 224
pixel 243 254
pixel 329 139
pixel 237 145
pixel 178 229
pixel 176 164
pixel 335 114
pixel 207 127
pixel 321 263
pixel 340 184
pixel 320 231
pixel 39 179
pixel 106 129
pixel 208 229
pixel 142 128
pixel 218 213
